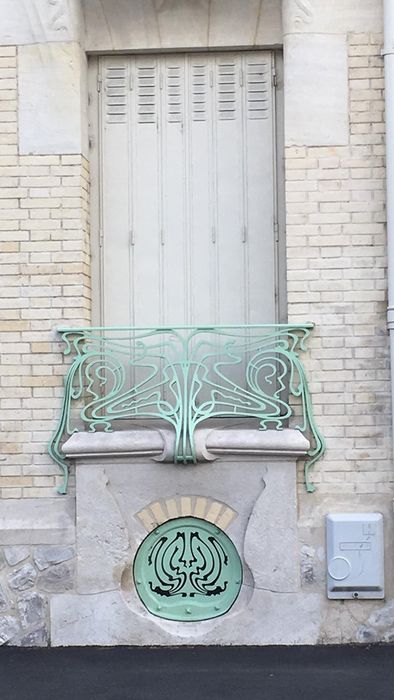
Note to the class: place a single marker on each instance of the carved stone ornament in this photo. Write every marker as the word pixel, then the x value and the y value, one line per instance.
pixel 297 14
pixel 58 15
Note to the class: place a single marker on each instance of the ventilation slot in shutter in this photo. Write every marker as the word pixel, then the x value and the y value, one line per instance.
pixel 115 94
pixel 257 86
pixel 199 92
pixel 227 90
pixel 174 94
pixel 147 94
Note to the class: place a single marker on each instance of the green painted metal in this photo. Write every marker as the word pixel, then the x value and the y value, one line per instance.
pixel 187 570
pixel 185 376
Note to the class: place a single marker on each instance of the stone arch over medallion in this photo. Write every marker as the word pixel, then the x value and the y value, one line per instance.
pixel 197 506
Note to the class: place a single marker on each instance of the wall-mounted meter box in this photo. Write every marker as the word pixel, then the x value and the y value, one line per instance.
pixel 355 555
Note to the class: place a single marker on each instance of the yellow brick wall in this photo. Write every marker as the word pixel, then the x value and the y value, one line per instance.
pixel 45 282
pixel 336 248
pixel 336 277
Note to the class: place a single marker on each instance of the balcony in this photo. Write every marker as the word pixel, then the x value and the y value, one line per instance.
pixel 183 377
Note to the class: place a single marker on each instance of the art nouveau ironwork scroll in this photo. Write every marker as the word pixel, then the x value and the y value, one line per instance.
pixel 186 376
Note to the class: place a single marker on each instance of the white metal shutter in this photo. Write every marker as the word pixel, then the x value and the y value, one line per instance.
pixel 187 189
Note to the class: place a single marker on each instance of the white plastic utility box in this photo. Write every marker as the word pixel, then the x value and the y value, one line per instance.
pixel 355 555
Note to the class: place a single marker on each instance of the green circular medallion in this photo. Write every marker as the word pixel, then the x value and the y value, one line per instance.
pixel 187 570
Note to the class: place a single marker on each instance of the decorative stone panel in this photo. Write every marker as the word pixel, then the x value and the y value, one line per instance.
pixel 120 497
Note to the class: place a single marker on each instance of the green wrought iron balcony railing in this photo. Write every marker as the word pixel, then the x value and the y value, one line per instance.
pixel 185 376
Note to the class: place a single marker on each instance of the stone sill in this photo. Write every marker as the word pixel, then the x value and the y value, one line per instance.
pixel 37 521
pixel 210 444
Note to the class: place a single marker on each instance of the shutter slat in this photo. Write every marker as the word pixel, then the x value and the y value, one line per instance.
pixel 115 83
pixel 147 93
pixel 257 85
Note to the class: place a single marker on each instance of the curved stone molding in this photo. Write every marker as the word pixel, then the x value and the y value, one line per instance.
pixel 136 443
pixel 168 437
pixel 200 444
pixel 243 441
pixel 150 442
pixel 159 512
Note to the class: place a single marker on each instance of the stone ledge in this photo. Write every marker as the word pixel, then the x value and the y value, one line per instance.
pixel 37 521
pixel 287 442
pixel 136 443
pixel 210 443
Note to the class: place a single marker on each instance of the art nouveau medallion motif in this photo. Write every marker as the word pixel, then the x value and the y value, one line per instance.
pixel 187 570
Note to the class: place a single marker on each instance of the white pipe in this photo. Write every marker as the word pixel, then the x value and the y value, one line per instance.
pixel 388 53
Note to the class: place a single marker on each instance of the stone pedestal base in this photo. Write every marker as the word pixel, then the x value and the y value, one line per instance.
pixel 250 495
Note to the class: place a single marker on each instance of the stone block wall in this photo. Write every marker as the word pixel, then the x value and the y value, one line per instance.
pixel 28 577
